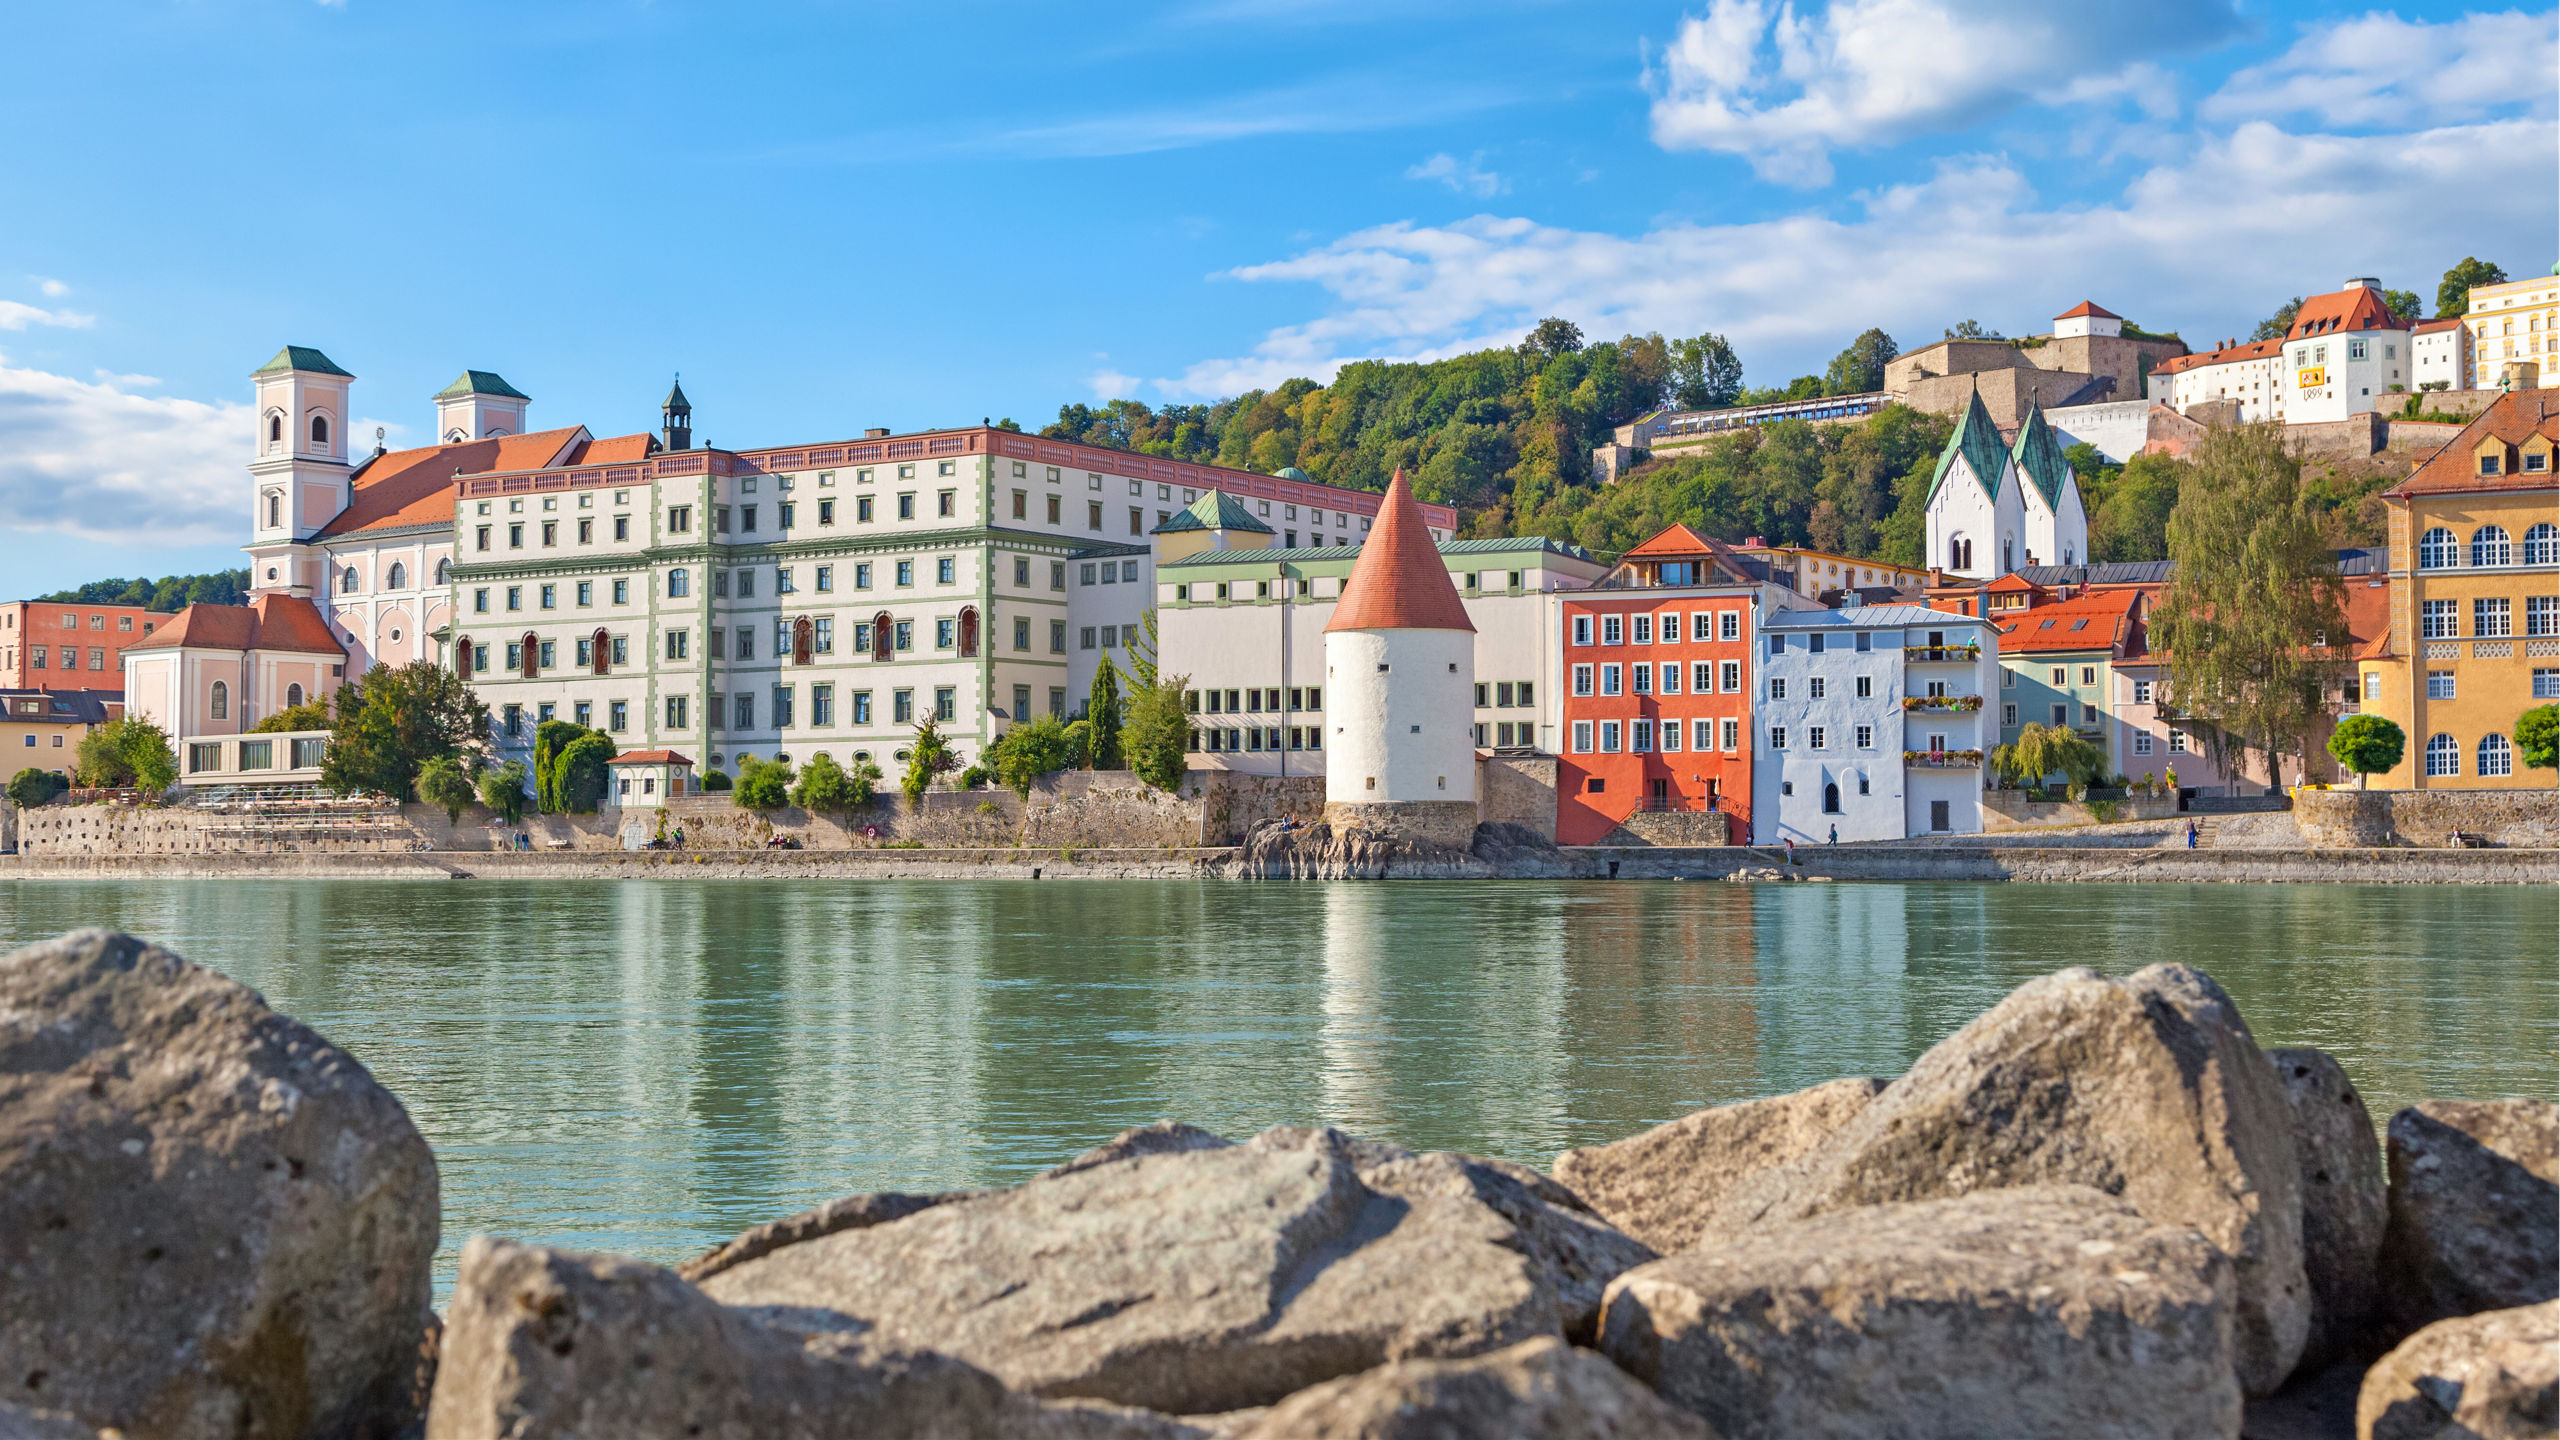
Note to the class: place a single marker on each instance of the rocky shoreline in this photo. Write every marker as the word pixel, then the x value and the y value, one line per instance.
pixel 2099 1209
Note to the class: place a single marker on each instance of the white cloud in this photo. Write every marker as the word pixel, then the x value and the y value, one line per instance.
pixel 2279 214
pixel 15 316
pixel 1782 88
pixel 1111 384
pixel 95 461
pixel 53 289
pixel 2379 69
pixel 1468 177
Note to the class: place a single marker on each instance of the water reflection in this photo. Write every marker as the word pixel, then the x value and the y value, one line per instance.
pixel 648 1066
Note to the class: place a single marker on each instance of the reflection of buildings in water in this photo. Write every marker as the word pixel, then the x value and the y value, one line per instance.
pixel 1354 1043
pixel 1663 978
pixel 1833 995
pixel 1514 1070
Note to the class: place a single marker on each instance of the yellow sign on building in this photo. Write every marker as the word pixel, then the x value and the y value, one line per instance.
pixel 2311 378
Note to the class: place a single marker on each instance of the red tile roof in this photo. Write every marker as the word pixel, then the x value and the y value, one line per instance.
pixel 612 450
pixel 1678 540
pixel 2088 308
pixel 2098 621
pixel 2249 350
pixel 649 757
pixel 2512 418
pixel 415 487
pixel 267 622
pixel 2010 584
pixel 2339 311
pixel 1399 582
pixel 2432 327
pixel 2369 618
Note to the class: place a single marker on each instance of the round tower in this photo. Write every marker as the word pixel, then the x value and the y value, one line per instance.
pixel 1399 659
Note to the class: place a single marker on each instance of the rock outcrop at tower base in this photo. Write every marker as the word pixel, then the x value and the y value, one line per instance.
pixel 1357 851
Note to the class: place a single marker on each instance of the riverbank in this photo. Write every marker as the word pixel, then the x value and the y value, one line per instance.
pixel 2006 860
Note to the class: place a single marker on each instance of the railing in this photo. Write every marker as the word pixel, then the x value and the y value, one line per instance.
pixel 1941 654
pixel 1943 759
pixel 1959 704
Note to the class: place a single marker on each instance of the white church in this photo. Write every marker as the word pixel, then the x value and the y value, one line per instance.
pixel 1995 506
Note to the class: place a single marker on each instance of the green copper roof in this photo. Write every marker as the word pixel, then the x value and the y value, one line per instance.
pixel 1216 510
pixel 300 357
pixel 1978 441
pixel 2039 455
pixel 1290 472
pixel 481 382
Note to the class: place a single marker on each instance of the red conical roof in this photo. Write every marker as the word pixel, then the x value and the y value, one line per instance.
pixel 1399 582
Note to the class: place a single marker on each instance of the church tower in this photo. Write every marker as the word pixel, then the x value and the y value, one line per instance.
pixel 479 405
pixel 300 479
pixel 1399 659
pixel 676 417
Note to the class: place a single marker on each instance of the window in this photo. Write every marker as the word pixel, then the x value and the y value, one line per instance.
pixel 2546 683
pixel 2088 674
pixel 1814 642
pixel 1643 678
pixel 2438 619
pixel 2542 615
pixel 2061 674
pixel 586 529
pixel 907 507
pixel 1021 632
pixel 482 534
pixel 2490 545
pixel 745 711
pixel 679 520
pixel 1610 680
pixel 1582 737
pixel 2542 545
pixel 862 575
pixel 946 703
pixel 319 429
pixel 2440 685
pixel 1731 732
pixel 586 593
pixel 218 706
pixel 676 717
pixel 1813 688
pixel 2437 550
pixel 1729 677
pixel 480 601
pixel 1670 677
pixel 783 582
pixel 1729 625
pixel 1777 687
pixel 1866 737
pixel 550 597
pixel 1612 630
pixel 618 715
pixel 1093 515
pixel 2141 692
pixel 678 643
pixel 1866 687
pixel 2178 742
pixel 1643 629
pixel 1085 638
pixel 347 581
pixel 944 569
pixel 397 580
pixel 1777 644
pixel 1777 737
pixel 621 527
pixel 1582 630
pixel 1671 734
pixel 903 635
pixel 2444 755
pixel 1813 737
pixel 861 707
pixel 1640 737
pixel 1609 737
pixel 1057 637
pixel 551 531
pixel 621 592
pixel 2491 617
pixel 679 584
pixel 906 572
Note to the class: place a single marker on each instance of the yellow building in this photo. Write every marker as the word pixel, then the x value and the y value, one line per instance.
pixel 2515 320
pixel 2475 601
pixel 1820 572
pixel 42 729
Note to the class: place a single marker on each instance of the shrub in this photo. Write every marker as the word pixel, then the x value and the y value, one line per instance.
pixel 1157 733
pixel 1028 751
pixel 443 782
pixel 581 771
pixel 716 781
pixel 550 738
pixel 309 715
pixel 128 750
pixel 973 777
pixel 824 785
pixel 502 790
pixel 1080 741
pixel 32 787
pixel 1102 719
pixel 763 784
pixel 2538 736
pixel 928 759
pixel 2367 745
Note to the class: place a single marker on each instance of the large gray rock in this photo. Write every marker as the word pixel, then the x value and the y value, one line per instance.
pixel 550 1343
pixel 212 1222
pixel 2494 1376
pixel 2344 1199
pixel 2475 1210
pixel 1208 1279
pixel 2148 1087
pixel 1664 1186
pixel 1542 1388
pixel 852 1212
pixel 2038 1311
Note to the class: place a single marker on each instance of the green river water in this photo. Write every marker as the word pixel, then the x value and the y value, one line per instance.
pixel 650 1066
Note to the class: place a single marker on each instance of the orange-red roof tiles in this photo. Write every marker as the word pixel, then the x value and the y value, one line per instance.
pixel 1399 582
pixel 267 622
pixel 2089 308
pixel 415 487
pixel 1677 540
pixel 2512 418
pixel 2247 350
pixel 650 757
pixel 612 450
pixel 2339 311
pixel 2088 622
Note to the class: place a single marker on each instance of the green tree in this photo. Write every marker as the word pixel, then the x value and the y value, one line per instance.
pixel 2538 736
pixel 1027 751
pixel 127 751
pixel 2129 520
pixel 101 763
pixel 928 758
pixel 167 595
pixel 824 786
pixel 1553 338
pixel 32 787
pixel 1157 736
pixel 1102 708
pixel 2405 305
pixel 2453 293
pixel 2044 750
pixel 1079 743
pixel 2280 324
pixel 1972 330
pixel 2367 745
pixel 763 784
pixel 582 770
pixel 1859 370
pixel 1705 373
pixel 502 790
pixel 2253 589
pixel 550 738
pixel 390 722
pixel 445 783
pixel 309 715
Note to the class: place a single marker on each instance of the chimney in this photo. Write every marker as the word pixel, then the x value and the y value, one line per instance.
pixel 875 432
pixel 1937 577
pixel 1753 543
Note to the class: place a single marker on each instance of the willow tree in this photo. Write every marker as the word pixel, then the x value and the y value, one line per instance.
pixel 2254 605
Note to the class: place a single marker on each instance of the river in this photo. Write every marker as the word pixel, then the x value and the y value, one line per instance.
pixel 649 1066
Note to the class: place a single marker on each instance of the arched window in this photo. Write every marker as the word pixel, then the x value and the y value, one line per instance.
pixel 275 509
pixel 219 706
pixel 292 697
pixel 881 642
pixel 1831 799
pixel 968 632
pixel 679 584
pixel 602 644
pixel 2438 550
pixel 2497 757
pixel 2490 545
pixel 347 581
pixel 2066 555
pixel 2542 544
pixel 444 571
pixel 2008 556
pixel 399 577
pixel 275 429
pixel 319 429
pixel 804 641
pixel 462 655
pixel 2444 755
pixel 531 668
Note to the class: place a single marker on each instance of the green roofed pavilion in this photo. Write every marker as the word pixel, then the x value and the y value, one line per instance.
pixel 480 382
pixel 1215 510
pixel 303 358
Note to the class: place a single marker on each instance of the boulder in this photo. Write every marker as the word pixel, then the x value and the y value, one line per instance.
pixel 2035 1311
pixel 2148 1087
pixel 552 1343
pixel 2344 1200
pixel 853 1212
pixel 2493 1376
pixel 1539 1387
pixel 229 1222
pixel 1207 1279
pixel 1663 1186
pixel 1164 1137
pixel 2475 1211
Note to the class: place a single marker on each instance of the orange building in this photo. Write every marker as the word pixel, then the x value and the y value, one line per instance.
pixel 54 645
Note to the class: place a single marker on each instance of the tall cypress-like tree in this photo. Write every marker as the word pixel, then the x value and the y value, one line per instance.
pixel 1102 708
pixel 2255 609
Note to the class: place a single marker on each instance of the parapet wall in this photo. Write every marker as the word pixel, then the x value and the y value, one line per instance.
pixel 2513 819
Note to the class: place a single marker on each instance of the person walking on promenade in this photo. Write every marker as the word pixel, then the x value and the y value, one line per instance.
pixel 2191 834
pixel 1835 834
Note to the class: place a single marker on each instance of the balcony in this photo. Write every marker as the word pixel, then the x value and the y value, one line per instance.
pixel 1941 654
pixel 1942 759
pixel 1947 704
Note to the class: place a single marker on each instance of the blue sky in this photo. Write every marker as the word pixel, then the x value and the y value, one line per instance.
pixel 830 217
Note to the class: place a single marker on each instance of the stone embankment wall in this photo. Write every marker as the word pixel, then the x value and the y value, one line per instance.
pixel 2012 810
pixel 1676 828
pixel 2518 819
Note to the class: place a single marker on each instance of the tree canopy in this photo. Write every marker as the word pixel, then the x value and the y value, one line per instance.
pixel 2367 745
pixel 168 594
pixel 2453 292
pixel 128 750
pixel 389 722
pixel 2280 324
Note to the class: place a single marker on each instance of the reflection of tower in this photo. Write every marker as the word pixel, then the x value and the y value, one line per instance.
pixel 1821 943
pixel 1399 658
pixel 1352 1043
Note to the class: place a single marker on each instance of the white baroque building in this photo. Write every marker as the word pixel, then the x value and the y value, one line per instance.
pixel 1994 507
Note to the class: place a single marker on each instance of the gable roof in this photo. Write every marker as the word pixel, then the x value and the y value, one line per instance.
pixel 1214 510
pixel 1977 439
pixel 415 487
pixel 649 757
pixel 300 357
pixel 2358 307
pixel 480 382
pixel 2089 308
pixel 2101 620
pixel 2039 456
pixel 2513 418
pixel 1675 540
pixel 268 622
pixel 613 450
pixel 1399 581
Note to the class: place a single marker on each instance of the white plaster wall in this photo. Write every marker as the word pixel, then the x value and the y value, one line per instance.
pixel 2119 428
pixel 1407 727
pixel 1963 509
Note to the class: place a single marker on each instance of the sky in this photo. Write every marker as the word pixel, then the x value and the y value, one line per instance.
pixel 834 216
